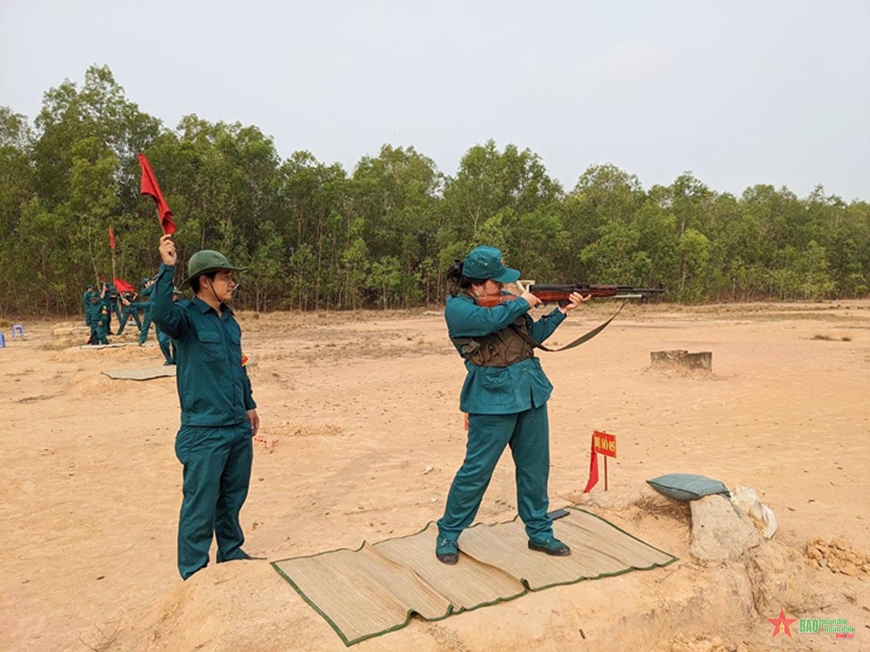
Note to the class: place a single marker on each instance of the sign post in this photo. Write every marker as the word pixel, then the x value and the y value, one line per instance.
pixel 606 445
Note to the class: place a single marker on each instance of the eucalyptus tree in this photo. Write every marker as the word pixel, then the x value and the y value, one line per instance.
pixel 507 200
pixel 17 188
pixel 395 200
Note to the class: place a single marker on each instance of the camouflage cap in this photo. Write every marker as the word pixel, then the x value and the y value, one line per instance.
pixel 205 262
pixel 486 263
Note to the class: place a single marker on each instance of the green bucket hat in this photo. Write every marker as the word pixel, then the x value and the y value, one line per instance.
pixel 486 263
pixel 205 262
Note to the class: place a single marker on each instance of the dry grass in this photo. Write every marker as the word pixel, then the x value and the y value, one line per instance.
pixel 831 338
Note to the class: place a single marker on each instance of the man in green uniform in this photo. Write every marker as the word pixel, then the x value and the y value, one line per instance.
pixel 131 309
pixel 86 302
pixel 110 299
pixel 145 293
pixel 99 314
pixel 505 396
pixel 218 413
pixel 114 303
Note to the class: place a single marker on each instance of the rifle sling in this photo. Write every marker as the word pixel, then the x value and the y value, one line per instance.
pixel 580 340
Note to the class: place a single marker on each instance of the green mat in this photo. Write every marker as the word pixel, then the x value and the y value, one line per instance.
pixel 378 587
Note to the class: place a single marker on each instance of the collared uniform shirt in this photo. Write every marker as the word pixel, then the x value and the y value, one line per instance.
pixel 213 386
pixel 500 390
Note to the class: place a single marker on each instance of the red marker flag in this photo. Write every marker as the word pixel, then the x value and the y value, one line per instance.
pixel 111 237
pixel 593 469
pixel 149 187
pixel 123 286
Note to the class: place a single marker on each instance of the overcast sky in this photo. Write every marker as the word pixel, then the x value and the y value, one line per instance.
pixel 739 92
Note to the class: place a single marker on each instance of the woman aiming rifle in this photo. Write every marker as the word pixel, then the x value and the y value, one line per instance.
pixel 505 396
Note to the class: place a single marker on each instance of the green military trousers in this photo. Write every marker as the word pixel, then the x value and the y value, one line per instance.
pixel 116 308
pixel 99 332
pixel 130 312
pixel 527 433
pixel 217 472
pixel 146 324
pixel 166 345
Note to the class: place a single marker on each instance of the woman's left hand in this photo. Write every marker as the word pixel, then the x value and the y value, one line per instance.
pixel 574 300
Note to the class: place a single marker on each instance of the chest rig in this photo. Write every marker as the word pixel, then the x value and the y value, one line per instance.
pixel 500 349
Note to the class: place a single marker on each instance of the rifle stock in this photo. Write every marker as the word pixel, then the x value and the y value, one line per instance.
pixel 561 293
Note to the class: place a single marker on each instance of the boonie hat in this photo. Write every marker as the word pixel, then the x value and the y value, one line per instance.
pixel 486 263
pixel 205 262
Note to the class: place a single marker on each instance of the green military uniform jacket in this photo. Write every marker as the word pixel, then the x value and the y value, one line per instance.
pixel 213 386
pixel 93 313
pixel 500 390
pixel 86 302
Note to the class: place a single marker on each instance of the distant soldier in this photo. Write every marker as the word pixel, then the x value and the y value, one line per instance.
pixel 109 297
pixel 131 309
pixel 99 314
pixel 145 293
pixel 86 302
pixel 166 343
pixel 92 313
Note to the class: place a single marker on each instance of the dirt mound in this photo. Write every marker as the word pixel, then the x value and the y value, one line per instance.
pixel 247 605
pixel 839 557
pixel 89 384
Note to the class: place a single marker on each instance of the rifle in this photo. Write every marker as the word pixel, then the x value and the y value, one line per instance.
pixel 561 293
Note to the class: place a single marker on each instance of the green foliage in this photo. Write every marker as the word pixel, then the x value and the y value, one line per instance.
pixel 316 237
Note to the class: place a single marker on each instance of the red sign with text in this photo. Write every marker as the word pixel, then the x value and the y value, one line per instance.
pixel 604 443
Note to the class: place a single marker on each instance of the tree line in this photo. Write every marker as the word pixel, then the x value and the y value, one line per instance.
pixel 317 237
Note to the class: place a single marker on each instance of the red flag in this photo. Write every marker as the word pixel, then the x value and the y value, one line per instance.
pixel 123 286
pixel 149 187
pixel 593 469
pixel 111 237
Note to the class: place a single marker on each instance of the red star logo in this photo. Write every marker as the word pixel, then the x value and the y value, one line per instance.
pixel 782 623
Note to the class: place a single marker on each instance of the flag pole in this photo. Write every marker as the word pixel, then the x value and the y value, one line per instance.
pixel 112 244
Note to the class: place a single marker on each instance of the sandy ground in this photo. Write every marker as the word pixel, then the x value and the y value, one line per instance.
pixel 363 412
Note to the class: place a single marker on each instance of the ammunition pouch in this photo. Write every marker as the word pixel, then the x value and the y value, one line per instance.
pixel 500 349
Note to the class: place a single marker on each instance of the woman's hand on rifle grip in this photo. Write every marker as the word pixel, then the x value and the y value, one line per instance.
pixel 531 298
pixel 574 300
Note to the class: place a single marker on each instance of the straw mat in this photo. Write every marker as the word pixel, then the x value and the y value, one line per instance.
pixel 141 374
pixel 377 588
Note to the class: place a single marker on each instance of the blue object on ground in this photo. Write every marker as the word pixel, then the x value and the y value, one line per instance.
pixel 687 486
